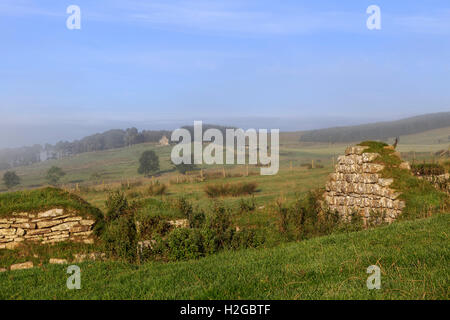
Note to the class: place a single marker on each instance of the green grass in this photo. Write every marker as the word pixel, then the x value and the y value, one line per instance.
pixel 40 254
pixel 157 208
pixel 43 199
pixel 413 257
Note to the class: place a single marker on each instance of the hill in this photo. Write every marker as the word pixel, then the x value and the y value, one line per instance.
pixel 413 257
pixel 380 130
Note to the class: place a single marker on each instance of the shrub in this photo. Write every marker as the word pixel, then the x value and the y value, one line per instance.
pixel 306 218
pixel 184 244
pixel 196 218
pixel 54 174
pixel 247 238
pixel 234 190
pixel 11 179
pixel 119 239
pixel 116 205
pixel 247 206
pixel 149 226
pixel 217 230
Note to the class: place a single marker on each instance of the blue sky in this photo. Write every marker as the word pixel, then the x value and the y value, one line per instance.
pixel 155 64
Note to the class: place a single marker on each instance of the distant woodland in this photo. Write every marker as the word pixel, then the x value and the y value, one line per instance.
pixel 111 139
pixel 379 131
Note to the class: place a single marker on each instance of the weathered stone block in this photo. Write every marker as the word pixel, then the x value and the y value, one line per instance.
pixel 79 228
pixel 372 167
pixel 72 219
pixel 38 232
pixel 26 225
pixel 57 261
pixel 50 213
pixel 64 226
pixel 21 266
pixel 87 222
pixel 355 150
pixel 7 232
pixel 48 223
pixel 369 157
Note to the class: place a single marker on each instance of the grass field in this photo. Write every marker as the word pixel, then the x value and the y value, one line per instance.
pixel 413 257
pixel 121 164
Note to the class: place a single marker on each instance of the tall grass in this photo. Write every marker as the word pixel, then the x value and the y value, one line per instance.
pixel 234 190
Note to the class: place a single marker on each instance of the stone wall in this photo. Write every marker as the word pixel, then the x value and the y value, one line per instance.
pixel 356 186
pixel 51 226
pixel 440 182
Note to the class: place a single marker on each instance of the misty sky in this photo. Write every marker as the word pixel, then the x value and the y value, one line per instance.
pixel 160 64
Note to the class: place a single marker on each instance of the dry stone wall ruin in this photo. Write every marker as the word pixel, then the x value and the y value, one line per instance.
pixel 51 226
pixel 356 186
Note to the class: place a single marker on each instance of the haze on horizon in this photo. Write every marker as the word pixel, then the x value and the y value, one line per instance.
pixel 294 65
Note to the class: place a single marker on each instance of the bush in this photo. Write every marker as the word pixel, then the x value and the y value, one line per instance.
pixel 196 218
pixel 54 174
pixel 247 238
pixel 119 239
pixel 247 206
pixel 116 206
pixel 11 179
pixel 234 190
pixel 306 218
pixel 217 230
pixel 149 226
pixel 184 206
pixel 184 244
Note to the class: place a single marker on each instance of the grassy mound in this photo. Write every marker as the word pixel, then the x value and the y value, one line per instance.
pixel 234 190
pixel 412 255
pixel 43 199
pixel 421 198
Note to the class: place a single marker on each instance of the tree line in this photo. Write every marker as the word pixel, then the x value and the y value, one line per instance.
pixel 116 138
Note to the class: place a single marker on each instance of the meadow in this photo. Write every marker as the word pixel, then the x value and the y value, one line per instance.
pixel 413 257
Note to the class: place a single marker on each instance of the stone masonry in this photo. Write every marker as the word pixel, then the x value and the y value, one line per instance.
pixel 356 186
pixel 51 226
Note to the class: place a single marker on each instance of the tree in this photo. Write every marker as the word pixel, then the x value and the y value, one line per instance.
pixel 54 174
pixel 11 179
pixel 149 162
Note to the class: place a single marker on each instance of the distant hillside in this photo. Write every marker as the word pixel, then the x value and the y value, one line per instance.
pixel 379 130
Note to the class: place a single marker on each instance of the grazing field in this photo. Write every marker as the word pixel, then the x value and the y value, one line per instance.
pixel 120 165
pixel 413 257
